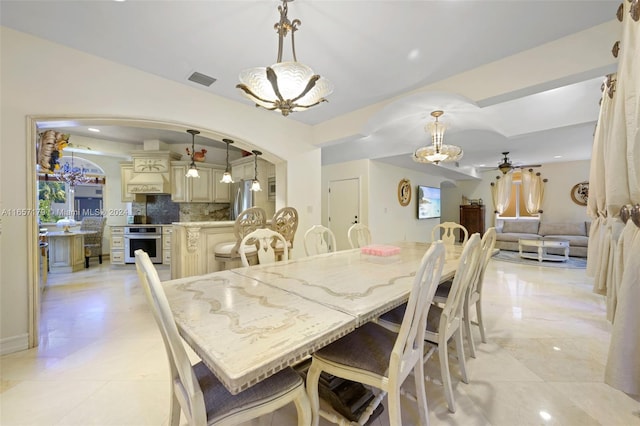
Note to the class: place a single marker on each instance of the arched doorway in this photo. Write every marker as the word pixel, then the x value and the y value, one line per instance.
pixel 35 125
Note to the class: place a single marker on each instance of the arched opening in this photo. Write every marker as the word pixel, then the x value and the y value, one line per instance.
pixel 37 124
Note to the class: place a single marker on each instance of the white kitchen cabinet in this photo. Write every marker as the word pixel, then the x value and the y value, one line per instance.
pixel 126 173
pixel 117 245
pixel 166 244
pixel 197 190
pixel 221 190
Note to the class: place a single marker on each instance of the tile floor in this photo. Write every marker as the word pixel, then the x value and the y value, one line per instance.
pixel 101 360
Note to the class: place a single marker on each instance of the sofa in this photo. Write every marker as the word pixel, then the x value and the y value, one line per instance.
pixel 509 231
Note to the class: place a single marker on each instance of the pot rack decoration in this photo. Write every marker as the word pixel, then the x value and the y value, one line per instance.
pixel 437 152
pixel 284 86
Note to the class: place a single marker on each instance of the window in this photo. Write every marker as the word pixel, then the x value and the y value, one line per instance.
pixel 52 200
pixel 517 207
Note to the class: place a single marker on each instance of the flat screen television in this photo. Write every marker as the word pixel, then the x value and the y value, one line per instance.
pixel 428 202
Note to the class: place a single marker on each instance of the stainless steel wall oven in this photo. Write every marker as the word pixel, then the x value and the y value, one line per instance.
pixel 147 238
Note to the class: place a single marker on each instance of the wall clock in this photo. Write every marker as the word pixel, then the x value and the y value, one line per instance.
pixel 404 192
pixel 580 193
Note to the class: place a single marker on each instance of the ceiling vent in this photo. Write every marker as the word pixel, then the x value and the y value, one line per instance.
pixel 199 78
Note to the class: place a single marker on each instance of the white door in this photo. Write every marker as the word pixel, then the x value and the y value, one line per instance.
pixel 344 208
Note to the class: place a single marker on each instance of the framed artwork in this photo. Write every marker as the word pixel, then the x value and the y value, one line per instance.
pixel 580 193
pixel 404 192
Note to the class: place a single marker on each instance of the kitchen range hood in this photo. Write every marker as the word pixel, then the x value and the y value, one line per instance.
pixel 151 172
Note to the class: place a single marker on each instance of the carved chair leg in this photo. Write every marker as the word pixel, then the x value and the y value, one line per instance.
pixel 86 262
pixel 100 259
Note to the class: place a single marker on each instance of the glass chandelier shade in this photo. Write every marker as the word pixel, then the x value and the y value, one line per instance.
pixel 72 175
pixel 255 183
pixel 284 86
pixel 193 170
pixel 437 152
pixel 226 177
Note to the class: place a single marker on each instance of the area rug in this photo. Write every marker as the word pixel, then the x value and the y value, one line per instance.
pixel 514 257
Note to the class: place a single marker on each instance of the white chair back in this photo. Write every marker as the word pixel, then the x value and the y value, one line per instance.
pixel 449 232
pixel 185 384
pixel 359 235
pixel 318 240
pixel 264 240
pixel 466 273
pixel 409 346
pixel 487 245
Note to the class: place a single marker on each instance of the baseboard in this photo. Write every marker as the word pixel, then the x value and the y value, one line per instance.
pixel 13 344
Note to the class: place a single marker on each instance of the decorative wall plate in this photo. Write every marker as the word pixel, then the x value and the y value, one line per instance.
pixel 404 192
pixel 580 193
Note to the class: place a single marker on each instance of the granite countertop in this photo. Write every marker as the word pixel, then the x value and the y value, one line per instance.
pixel 207 224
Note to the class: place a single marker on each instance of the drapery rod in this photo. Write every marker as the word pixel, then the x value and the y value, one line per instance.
pixel 631 212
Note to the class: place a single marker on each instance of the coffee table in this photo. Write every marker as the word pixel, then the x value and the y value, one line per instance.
pixel 542 245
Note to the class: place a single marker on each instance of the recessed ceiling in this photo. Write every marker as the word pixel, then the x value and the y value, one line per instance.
pixel 371 51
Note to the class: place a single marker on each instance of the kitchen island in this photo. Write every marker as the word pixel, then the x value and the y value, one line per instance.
pixel 193 246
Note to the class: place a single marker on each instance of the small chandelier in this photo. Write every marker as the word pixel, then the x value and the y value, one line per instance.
pixel 284 86
pixel 193 170
pixel 255 183
pixel 437 152
pixel 226 177
pixel 72 175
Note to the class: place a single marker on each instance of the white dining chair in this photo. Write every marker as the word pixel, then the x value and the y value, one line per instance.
pixel 473 296
pixel 359 235
pixel 446 231
pixel 263 242
pixel 444 323
pixel 318 240
pixel 380 358
pixel 196 391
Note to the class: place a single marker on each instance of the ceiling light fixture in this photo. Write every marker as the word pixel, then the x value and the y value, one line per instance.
pixel 226 177
pixel 284 86
pixel 437 152
pixel 72 175
pixel 193 170
pixel 255 183
pixel 506 166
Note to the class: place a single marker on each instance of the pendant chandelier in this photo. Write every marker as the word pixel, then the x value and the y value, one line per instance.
pixel 193 170
pixel 437 152
pixel 284 86
pixel 72 175
pixel 226 177
pixel 255 183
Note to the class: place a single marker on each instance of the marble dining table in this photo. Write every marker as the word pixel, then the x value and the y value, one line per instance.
pixel 248 323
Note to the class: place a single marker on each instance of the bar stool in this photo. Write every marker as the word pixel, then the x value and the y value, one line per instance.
pixel 285 223
pixel 247 221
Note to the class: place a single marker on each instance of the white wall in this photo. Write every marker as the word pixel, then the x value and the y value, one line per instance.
pixel 379 207
pixel 389 220
pixel 33 84
pixel 557 204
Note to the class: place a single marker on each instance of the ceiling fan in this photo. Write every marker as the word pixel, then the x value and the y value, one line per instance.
pixel 506 166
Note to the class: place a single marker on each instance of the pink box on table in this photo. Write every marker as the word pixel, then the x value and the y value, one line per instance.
pixel 381 253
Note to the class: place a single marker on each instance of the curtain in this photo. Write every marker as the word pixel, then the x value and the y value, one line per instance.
pixel 501 193
pixel 622 168
pixel 532 190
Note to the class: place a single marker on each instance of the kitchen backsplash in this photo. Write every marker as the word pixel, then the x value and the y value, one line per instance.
pixel 160 209
pixel 201 212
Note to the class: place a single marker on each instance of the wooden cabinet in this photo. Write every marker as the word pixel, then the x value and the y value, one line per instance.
pixel 205 189
pixel 472 218
pixel 117 245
